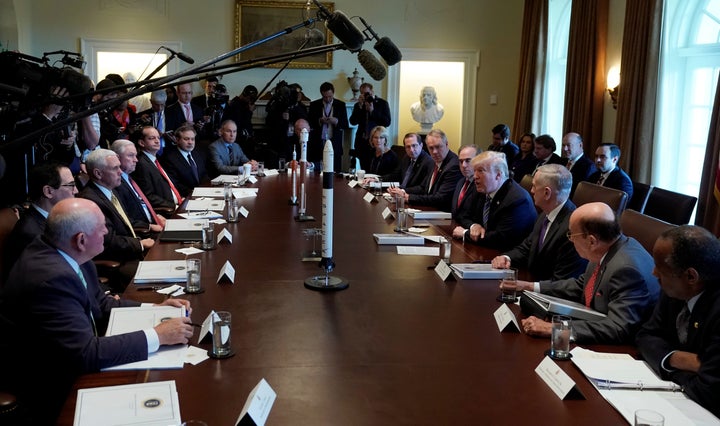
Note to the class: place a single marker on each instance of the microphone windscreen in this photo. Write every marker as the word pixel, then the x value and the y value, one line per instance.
pixel 345 31
pixel 372 65
pixel 389 52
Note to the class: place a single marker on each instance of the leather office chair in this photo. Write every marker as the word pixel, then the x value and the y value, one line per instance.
pixel 526 182
pixel 8 219
pixel 670 206
pixel 644 228
pixel 641 192
pixel 587 192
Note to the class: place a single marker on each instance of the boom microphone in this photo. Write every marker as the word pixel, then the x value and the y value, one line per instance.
pixel 183 57
pixel 384 46
pixel 339 24
pixel 372 65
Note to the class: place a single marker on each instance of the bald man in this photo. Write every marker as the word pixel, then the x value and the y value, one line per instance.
pixel 58 314
pixel 580 165
pixel 618 281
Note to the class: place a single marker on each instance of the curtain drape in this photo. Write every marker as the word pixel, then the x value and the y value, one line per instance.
pixel 585 79
pixel 637 98
pixel 708 213
pixel 533 53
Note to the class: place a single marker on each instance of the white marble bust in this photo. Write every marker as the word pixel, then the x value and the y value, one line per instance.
pixel 427 111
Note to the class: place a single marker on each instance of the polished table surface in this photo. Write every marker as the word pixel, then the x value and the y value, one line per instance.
pixel 399 346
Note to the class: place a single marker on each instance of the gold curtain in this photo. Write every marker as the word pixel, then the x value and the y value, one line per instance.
pixel 585 74
pixel 637 97
pixel 533 52
pixel 708 213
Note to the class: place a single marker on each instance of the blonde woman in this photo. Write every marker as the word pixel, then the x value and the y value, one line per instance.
pixel 385 160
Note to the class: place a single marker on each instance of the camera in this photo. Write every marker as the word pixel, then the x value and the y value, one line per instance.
pixel 369 99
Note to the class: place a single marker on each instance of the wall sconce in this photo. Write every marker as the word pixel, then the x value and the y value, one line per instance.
pixel 613 84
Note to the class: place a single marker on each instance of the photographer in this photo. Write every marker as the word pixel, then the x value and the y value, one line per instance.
pixel 240 110
pixel 217 102
pixel 369 111
pixel 283 110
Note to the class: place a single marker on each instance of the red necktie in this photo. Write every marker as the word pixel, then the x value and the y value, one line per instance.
pixel 590 286
pixel 178 197
pixel 434 176
pixel 145 200
pixel 462 192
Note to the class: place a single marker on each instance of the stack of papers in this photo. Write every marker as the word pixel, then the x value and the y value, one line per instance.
pixel 205 204
pixel 225 179
pixel 399 239
pixel 419 214
pixel 146 404
pixel 476 271
pixel 183 230
pixel 629 385
pixel 160 271
pixel 127 320
pixel 558 306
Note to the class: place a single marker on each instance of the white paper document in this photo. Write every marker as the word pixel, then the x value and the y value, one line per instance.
pixel 205 204
pixel 184 224
pixel 147 404
pixel 245 192
pixel 418 250
pixel 477 271
pixel 225 179
pixel 161 271
pixel 126 320
pixel 213 191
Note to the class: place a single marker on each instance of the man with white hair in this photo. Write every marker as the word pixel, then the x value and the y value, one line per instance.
pixel 503 213
pixel 55 315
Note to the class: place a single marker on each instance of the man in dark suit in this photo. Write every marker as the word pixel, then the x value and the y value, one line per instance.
pixel 547 253
pixel 501 143
pixel 185 162
pixel 155 116
pixel 463 198
pixel 121 242
pixel 681 340
pixel 438 189
pixel 183 110
pixel 503 213
pixel 580 166
pixel 608 172
pixel 201 101
pixel 226 156
pixel 618 281
pixel 150 175
pixel 544 151
pixel 328 119
pixel 368 112
pixel 53 304
pixel 414 168
pixel 48 184
pixel 142 216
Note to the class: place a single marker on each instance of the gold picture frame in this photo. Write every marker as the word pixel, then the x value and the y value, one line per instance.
pixel 255 20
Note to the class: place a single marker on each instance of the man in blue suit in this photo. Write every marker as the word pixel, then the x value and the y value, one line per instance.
pixel 56 314
pixel 226 157
pixel 503 213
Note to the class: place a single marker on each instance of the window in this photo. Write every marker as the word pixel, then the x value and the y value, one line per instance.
pixel 690 63
pixel 550 117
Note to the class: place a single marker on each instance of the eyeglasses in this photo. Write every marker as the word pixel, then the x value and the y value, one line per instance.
pixel 570 236
pixel 69 184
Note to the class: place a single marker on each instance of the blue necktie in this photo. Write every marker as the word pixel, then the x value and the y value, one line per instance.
pixel 486 210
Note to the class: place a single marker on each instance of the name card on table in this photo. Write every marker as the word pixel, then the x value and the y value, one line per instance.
pixel 258 405
pixel 224 234
pixel 353 183
pixel 252 179
pixel 369 197
pixel 560 383
pixel 505 319
pixel 444 271
pixel 387 213
pixel 244 211
pixel 206 327
pixel 227 272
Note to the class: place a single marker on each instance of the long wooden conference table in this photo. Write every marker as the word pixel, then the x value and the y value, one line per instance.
pixel 399 346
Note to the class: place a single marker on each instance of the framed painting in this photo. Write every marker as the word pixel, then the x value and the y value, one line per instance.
pixel 255 20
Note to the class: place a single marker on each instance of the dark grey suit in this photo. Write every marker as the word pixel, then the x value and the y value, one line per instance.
pixel 220 158
pixel 557 258
pixel 440 194
pixel 625 290
pixel 422 169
